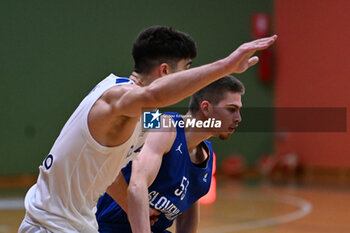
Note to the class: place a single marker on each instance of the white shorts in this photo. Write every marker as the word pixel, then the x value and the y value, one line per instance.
pixel 28 227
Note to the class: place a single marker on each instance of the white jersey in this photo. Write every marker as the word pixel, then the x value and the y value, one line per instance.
pixel 78 170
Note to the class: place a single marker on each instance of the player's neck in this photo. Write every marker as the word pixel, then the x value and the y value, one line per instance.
pixel 198 155
pixel 193 140
pixel 195 136
pixel 137 79
pixel 143 79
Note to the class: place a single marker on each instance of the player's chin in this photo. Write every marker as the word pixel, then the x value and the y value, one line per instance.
pixel 224 136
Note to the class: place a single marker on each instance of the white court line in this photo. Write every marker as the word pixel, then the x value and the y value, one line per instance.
pixel 305 208
pixel 11 204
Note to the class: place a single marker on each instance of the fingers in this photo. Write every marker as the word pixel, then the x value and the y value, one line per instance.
pixel 153 216
pixel 261 44
pixel 268 40
pixel 252 61
pixel 241 58
pixel 153 220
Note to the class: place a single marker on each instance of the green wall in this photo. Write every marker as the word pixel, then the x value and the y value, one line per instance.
pixel 53 53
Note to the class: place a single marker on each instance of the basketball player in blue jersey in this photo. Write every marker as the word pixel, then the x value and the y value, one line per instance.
pixel 173 170
pixel 98 139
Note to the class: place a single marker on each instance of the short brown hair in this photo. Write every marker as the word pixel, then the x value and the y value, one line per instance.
pixel 216 91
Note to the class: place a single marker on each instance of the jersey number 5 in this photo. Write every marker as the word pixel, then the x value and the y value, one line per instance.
pixel 183 188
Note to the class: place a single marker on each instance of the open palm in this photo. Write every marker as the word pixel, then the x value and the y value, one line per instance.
pixel 241 59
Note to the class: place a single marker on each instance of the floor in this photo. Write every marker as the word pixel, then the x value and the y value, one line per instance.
pixel 248 206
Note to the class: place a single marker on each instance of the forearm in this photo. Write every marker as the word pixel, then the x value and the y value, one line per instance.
pixel 174 87
pixel 177 86
pixel 145 168
pixel 138 208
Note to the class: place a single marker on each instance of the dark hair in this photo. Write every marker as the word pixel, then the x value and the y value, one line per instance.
pixel 215 92
pixel 158 44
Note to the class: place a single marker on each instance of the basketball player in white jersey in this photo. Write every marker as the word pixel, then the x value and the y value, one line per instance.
pixel 103 133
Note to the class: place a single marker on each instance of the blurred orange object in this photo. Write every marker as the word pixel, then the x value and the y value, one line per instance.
pixel 210 197
pixel 234 165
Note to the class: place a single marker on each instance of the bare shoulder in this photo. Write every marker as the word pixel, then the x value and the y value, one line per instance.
pixel 107 125
pixel 114 94
pixel 108 101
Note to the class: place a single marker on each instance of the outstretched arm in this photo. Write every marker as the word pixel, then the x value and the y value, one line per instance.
pixel 176 86
pixel 188 221
pixel 118 191
pixel 144 170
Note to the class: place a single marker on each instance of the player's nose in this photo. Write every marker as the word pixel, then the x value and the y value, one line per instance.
pixel 237 117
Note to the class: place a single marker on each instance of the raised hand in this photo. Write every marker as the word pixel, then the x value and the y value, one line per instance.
pixel 241 59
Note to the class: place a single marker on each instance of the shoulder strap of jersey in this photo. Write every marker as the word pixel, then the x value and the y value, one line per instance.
pixel 123 80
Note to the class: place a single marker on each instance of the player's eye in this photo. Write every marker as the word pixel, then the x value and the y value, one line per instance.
pixel 232 110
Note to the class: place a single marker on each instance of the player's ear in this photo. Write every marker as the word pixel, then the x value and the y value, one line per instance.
pixel 205 107
pixel 163 69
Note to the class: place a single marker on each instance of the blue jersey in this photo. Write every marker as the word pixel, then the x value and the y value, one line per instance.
pixel 178 185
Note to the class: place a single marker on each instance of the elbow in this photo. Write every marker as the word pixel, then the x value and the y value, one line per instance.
pixel 132 189
pixel 135 188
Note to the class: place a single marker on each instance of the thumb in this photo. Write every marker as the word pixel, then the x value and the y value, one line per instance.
pixel 252 61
